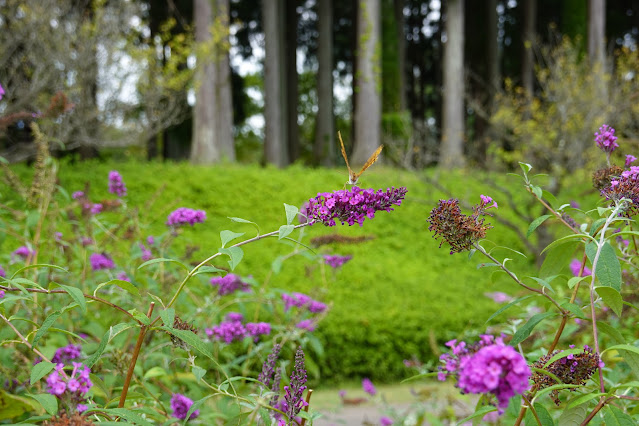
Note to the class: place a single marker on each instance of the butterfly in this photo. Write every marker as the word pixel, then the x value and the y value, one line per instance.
pixel 352 176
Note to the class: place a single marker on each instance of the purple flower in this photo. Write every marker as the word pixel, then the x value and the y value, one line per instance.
pixel 316 307
pixel 1 92
pixel 228 284
pixel 306 324
pixel 180 405
pixel 86 241
pixel 23 252
pixel 67 353
pixel 77 195
pixel 101 261
pixel 499 296
pixel 368 386
pixel 123 276
pixel 630 159
pixel 385 421
pixel 256 329
pixel 335 261
pixel 116 185
pixel 575 267
pixel 95 208
pixel 77 383
pixel 296 299
pixel 146 253
pixel 485 200
pixel 184 215
pixel 57 236
pixel 81 408
pixel 342 393
pixel 293 397
pixel 605 139
pixel 268 368
pixel 150 240
pixel 1 294
pixel 353 205
pixel 234 316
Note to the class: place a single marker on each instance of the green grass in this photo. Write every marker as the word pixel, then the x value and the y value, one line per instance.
pixel 401 295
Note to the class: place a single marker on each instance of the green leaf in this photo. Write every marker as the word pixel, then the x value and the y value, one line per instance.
pixel 608 268
pixel 198 372
pixel 227 236
pixel 77 295
pixel 573 416
pixel 612 298
pixel 12 406
pixel 597 223
pixel 291 213
pixel 46 324
pixel 558 386
pixel 285 230
pixel 168 316
pixel 544 283
pixel 235 253
pixel 276 265
pixel 536 190
pixel 615 417
pixel 583 399
pixel 527 328
pixel 208 270
pixel 563 354
pixel 40 370
pixel 557 259
pixel 124 285
pixel 535 224
pixel 574 280
pixel 108 336
pixel 163 259
pixel 632 359
pixel 611 331
pixel 240 220
pixel 564 240
pixel 574 309
pixel 38 265
pixel 550 198
pixel 525 167
pixel 155 372
pixel 511 304
pixel 544 416
pixel 191 339
pixel 479 413
pixel 130 415
pixel 140 316
pixel 48 402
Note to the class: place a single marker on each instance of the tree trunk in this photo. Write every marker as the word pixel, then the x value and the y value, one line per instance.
pixel 203 148
pixel 596 31
pixel 528 39
pixel 223 95
pixel 275 129
pixel 291 79
pixel 368 112
pixel 452 146
pixel 324 146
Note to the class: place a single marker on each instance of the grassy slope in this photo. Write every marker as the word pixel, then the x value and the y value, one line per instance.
pixel 399 291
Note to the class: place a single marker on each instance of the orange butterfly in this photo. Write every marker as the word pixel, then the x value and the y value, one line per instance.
pixel 352 176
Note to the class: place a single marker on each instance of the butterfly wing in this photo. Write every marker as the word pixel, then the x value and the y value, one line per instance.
pixel 350 172
pixel 368 163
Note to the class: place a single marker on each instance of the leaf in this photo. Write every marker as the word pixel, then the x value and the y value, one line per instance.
pixel 40 370
pixel 198 372
pixel 38 265
pixel 168 316
pixel 583 399
pixel 240 220
pixel 291 213
pixel 632 358
pixel 562 354
pixel 550 198
pixel 128 414
pixel 163 259
pixel 564 240
pixel 574 280
pixel 544 283
pixel 142 318
pixel 481 412
pixel 208 270
pixel 597 223
pixel 227 236
pixel 557 259
pixel 155 372
pixel 12 406
pixel 124 285
pixel 108 336
pixel 46 324
pixel 573 416
pixel 615 417
pixel 235 253
pixel 527 328
pixel 511 304
pixel 276 265
pixel 611 331
pixel 535 224
pixel 612 298
pixel 190 339
pixel 77 295
pixel 608 268
pixel 574 309
pixel 48 402
pixel 284 231
pixel 544 416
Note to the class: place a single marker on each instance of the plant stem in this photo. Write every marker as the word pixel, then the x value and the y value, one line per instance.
pixel 24 340
pixel 134 358
pixel 308 402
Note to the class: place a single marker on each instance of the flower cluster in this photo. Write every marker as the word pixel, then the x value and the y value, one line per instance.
pixel 228 284
pixel 335 261
pixel 67 353
pixel 232 329
pixel 294 392
pixel 72 386
pixel 146 253
pixel 302 300
pixel 573 369
pixel 23 252
pixel 457 229
pixel 180 405
pixel 488 366
pixel 116 185
pixel 575 267
pixel 101 261
pixel 352 205
pixel 606 139
pixel 626 186
pixel 271 376
pixel 368 386
pixel 184 216
pixel 499 296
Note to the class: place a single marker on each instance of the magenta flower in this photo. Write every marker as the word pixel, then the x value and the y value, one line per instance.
pixel 180 405
pixel 1 92
pixel 184 216
pixel 606 139
pixel 77 195
pixel 368 386
pixel 101 261
pixel 575 266
pixel 23 252
pixel 485 200
pixel 77 383
pixel 146 253
pixel 1 294
pixel 95 208
pixel 316 307
pixel 116 185
pixel 230 283
pixel 67 353
pixel 335 261
pixel 630 159
pixel 307 325
pixel 123 276
pixel 385 421
pixel 499 297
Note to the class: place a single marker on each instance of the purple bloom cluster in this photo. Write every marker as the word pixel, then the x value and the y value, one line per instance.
pixel 301 300
pixel 294 392
pixel 101 261
pixel 23 252
pixel 74 385
pixel 368 386
pixel 77 195
pixel 230 283
pixel 575 267
pixel 499 297
pixel 1 294
pixel 116 185
pixel 67 353
pixel 94 208
pixel 180 405
pixel 146 253
pixel 307 324
pixel 606 139
pixel 625 186
pixel 385 421
pixel 352 205
pixel 488 366
pixel 1 92
pixel 630 159
pixel 335 261
pixel 232 329
pixel 185 215
pixel 123 276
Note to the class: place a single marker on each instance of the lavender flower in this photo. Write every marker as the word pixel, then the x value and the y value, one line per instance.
pixel 232 329
pixel 95 208
pixel 623 187
pixel 1 92
pixel 116 185
pixel 184 215
pixel 146 253
pixel 306 324
pixel 575 267
pixel 293 397
pixel 1 294
pixel 268 368
pixel 23 252
pixel 316 307
pixel 256 329
pixel 353 205
pixel 606 139
pixel 77 195
pixel 74 386
pixel 229 284
pixel 385 421
pixel 67 353
pixel 180 405
pixel 368 386
pixel 150 240
pixel 630 159
pixel 296 299
pixel 499 297
pixel 123 276
pixel 101 261
pixel 335 261
pixel 234 316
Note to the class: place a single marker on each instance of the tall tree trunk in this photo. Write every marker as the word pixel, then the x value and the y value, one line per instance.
pixel 324 146
pixel 275 131
pixel 204 149
pixel 452 146
pixel 368 112
pixel 596 31
pixel 291 80
pixel 528 39
pixel 223 93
